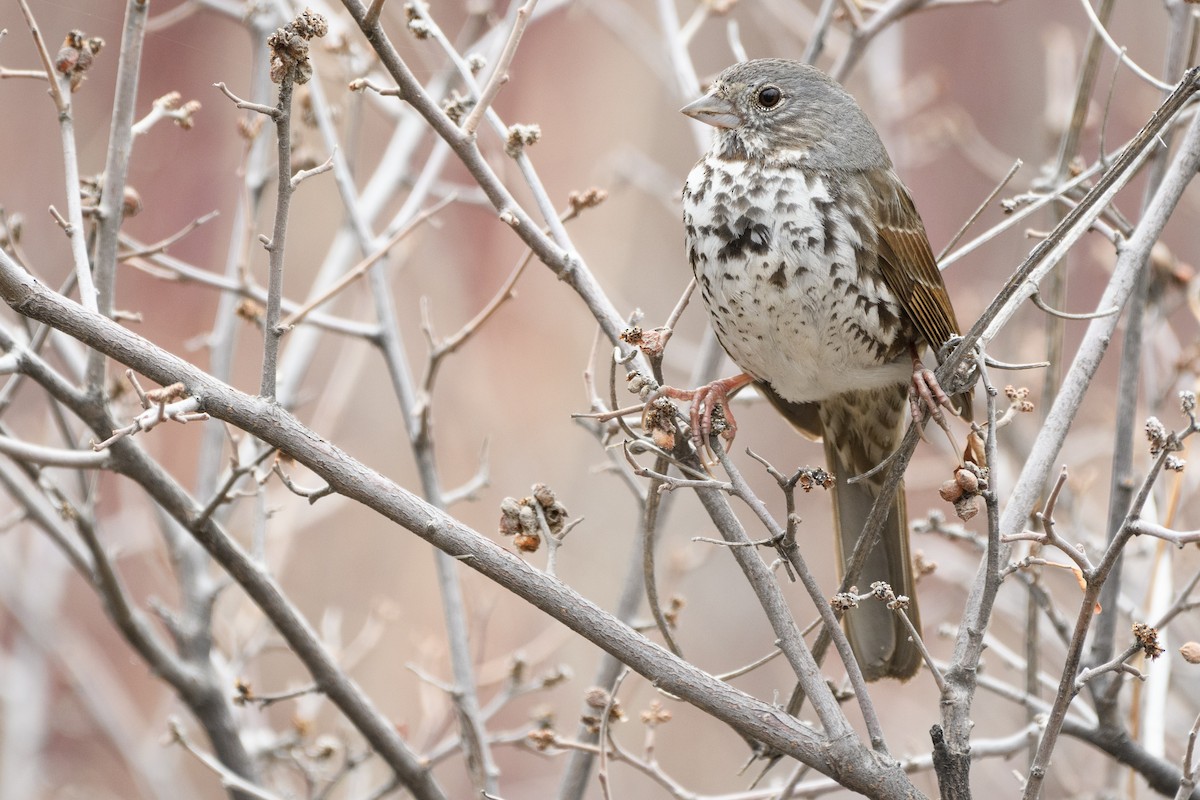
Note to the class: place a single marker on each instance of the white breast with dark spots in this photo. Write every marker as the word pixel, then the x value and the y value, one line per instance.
pixel 790 280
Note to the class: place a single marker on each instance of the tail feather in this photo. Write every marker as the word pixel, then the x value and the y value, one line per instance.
pixel 860 431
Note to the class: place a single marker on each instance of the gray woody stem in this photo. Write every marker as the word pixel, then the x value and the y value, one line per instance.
pixel 116 168
pixel 272 333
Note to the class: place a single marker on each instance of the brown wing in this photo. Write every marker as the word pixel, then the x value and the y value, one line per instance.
pixel 908 265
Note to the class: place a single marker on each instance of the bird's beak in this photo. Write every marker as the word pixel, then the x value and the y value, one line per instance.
pixel 713 110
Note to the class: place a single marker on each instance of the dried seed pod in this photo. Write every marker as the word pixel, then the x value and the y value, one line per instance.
pixel 966 508
pixel 950 491
pixel 527 543
pixel 968 480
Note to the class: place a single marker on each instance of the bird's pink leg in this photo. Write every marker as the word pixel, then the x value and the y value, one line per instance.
pixel 926 393
pixel 704 401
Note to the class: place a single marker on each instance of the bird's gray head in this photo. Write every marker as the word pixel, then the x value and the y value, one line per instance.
pixel 776 109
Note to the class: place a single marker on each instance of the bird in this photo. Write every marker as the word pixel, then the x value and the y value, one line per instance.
pixel 820 284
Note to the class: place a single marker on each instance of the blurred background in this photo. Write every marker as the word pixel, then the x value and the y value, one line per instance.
pixel 959 92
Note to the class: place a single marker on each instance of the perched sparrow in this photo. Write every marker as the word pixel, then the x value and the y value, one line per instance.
pixel 821 285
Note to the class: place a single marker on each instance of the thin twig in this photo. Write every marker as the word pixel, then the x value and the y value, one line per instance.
pixel 500 74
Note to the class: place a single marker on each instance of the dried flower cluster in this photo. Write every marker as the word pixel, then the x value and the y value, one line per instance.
pixel 812 478
pixel 1156 434
pixel 76 57
pixel 289 47
pixel 658 422
pixel 1019 397
pixel 519 518
pixel 1146 637
pixel 844 601
pixel 882 590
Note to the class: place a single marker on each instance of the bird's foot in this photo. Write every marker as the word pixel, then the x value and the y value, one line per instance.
pixel 705 401
pixel 925 394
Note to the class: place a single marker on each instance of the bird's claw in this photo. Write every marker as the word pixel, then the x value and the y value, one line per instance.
pixel 925 394
pixel 710 412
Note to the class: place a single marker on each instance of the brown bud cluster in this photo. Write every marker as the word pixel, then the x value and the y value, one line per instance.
pixel 589 198
pixel 251 310
pixel 922 565
pixel 1019 397
pixel 417 26
pixel 76 57
pixel 457 106
pixel 658 422
pixel 520 137
pixel 671 612
pixel 600 699
pixel 882 590
pixel 1157 435
pixel 182 115
pixel 657 714
pixel 519 518
pixel 542 739
pixel 1146 637
pixel 844 601
pixel 812 478
pixel 637 383
pixel 969 481
pixel 289 47
pixel 1187 403
pixel 245 692
pixel 476 63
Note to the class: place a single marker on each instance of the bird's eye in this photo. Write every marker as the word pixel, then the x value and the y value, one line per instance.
pixel 769 96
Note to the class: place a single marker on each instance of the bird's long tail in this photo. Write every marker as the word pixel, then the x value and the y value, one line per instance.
pixel 860 430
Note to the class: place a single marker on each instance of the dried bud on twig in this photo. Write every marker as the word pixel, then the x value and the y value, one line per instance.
pixel 589 198
pixel 76 57
pixel 657 714
pixel 476 63
pixel 520 137
pixel 417 26
pixel 812 478
pixel 882 590
pixel 289 47
pixel 543 739
pixel 457 106
pixel 1187 400
pixel 1156 433
pixel 519 518
pixel 844 601
pixel 1147 639
pixel 599 699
